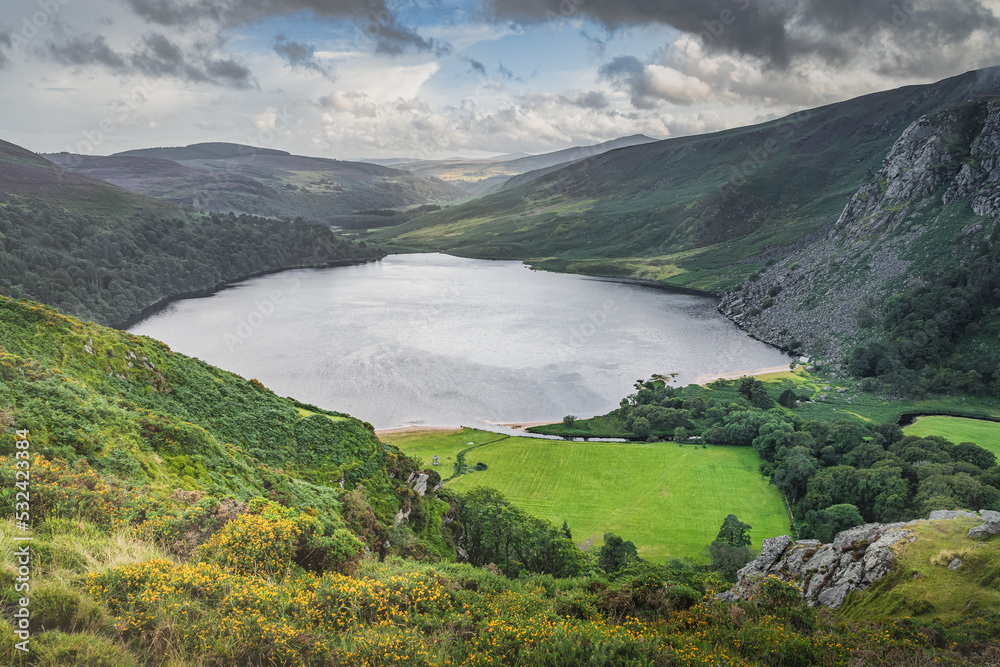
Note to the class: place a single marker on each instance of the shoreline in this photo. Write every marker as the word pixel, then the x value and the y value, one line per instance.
pixel 524 426
pixel 416 429
pixel 711 377
pixel 154 308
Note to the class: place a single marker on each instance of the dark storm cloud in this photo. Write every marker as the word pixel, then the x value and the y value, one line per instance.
pixel 779 31
pixel 238 12
pixel 91 50
pixel 156 57
pixel 301 56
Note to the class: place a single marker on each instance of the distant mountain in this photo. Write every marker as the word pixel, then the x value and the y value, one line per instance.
pixel 476 176
pixel 701 211
pixel 244 179
pixel 102 252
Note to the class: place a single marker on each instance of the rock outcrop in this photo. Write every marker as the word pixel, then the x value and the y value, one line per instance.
pixel 822 290
pixel 857 558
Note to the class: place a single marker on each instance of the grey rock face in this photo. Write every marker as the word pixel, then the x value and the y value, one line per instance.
pixel 951 514
pixel 828 281
pixel 856 559
pixel 418 481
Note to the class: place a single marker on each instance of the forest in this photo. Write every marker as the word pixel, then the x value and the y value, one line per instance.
pixel 109 270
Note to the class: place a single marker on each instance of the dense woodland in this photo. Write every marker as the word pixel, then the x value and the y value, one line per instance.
pixel 108 270
pixel 940 334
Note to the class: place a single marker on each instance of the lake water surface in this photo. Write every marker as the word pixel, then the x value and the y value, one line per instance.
pixel 446 341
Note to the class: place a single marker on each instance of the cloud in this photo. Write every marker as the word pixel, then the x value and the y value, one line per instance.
pixel 88 50
pixel 156 57
pixel 648 85
pixel 352 102
pixel 475 65
pixel 241 12
pixel 300 56
pixel 507 73
pixel 593 99
pixel 782 31
pixel 6 42
pixel 393 40
pixel 597 46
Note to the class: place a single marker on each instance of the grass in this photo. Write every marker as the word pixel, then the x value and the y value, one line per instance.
pixel 986 434
pixel 921 585
pixel 668 500
pixel 445 443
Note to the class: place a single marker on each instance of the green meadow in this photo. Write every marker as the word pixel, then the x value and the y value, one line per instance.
pixel 667 499
pixel 986 434
pixel 445 443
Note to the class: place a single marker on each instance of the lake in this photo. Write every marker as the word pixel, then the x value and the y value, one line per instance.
pixel 445 341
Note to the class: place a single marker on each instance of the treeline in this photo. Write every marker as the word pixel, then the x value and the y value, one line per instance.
pixel 941 334
pixel 834 475
pixel 109 271
pixel 380 217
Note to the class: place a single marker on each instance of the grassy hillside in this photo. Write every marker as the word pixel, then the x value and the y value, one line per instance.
pixel 692 210
pixel 265 182
pixel 923 587
pixel 103 253
pixel 477 176
pixel 668 500
pixel 182 516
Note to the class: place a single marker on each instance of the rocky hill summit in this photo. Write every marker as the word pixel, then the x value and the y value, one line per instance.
pixel 856 559
pixel 936 195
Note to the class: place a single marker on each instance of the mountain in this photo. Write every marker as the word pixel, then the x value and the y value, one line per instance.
pixel 701 211
pixel 479 176
pixel 258 181
pixel 910 269
pixel 105 253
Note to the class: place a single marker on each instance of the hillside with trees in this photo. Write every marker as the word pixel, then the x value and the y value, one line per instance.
pixel 103 253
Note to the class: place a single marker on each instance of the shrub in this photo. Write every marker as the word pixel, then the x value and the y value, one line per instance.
pixel 682 597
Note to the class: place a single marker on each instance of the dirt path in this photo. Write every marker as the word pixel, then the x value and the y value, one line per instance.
pixel 705 379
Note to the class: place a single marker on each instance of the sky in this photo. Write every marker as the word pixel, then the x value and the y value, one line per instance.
pixel 431 79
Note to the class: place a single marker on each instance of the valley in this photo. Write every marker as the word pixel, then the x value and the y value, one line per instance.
pixel 207 352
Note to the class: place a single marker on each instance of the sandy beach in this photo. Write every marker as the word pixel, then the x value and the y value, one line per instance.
pixel 524 426
pixel 705 379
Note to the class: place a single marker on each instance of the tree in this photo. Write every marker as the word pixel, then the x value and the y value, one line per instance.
pixel 569 420
pixel 567 533
pixel 734 532
pixel 616 554
pixel 731 548
pixel 641 427
pixel 788 398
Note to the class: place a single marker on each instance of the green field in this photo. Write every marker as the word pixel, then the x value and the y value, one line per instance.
pixel 669 500
pixel 986 434
pixel 446 443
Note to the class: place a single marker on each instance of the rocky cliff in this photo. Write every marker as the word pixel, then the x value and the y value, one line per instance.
pixel 856 559
pixel 937 192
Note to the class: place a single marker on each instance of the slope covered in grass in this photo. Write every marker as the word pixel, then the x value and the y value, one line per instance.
pixel 690 209
pixel 921 584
